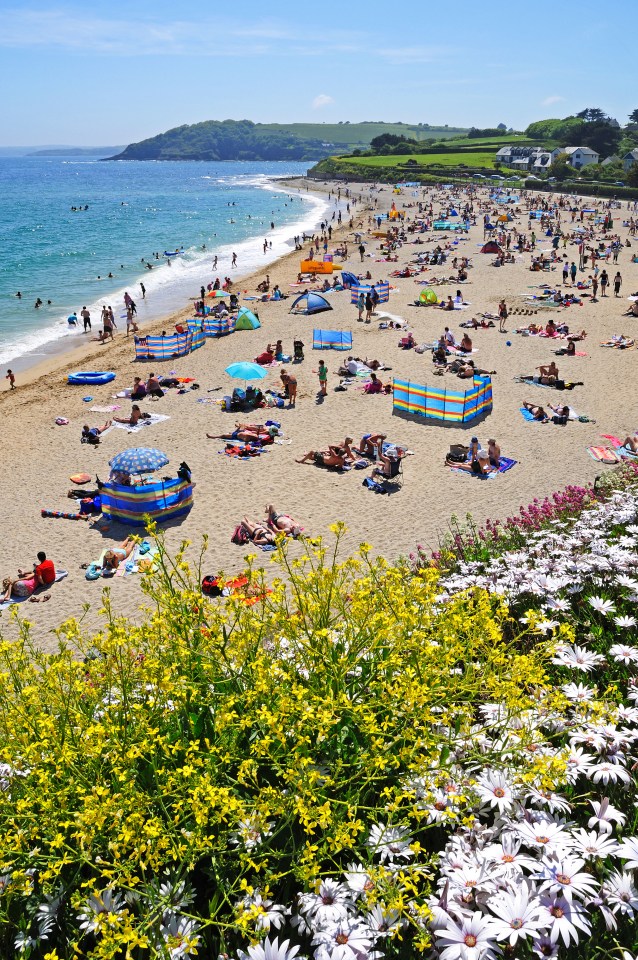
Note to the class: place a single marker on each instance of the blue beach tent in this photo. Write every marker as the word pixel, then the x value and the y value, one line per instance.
pixel 308 303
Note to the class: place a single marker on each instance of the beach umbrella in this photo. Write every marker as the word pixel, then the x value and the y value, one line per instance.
pixel 217 293
pixel 244 370
pixel 139 460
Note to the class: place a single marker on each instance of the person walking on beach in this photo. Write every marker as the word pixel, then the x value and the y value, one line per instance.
pixel 86 318
pixel 617 283
pixel 361 303
pixel 143 289
pixel 323 379
pixel 215 263
pixel 107 325
pixel 233 262
pixel 604 280
pixel 573 271
pixel 362 251
pixel 290 384
pixel 11 378
pixel 502 316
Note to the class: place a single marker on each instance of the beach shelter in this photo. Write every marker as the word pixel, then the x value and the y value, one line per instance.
pixel 382 288
pixel 309 303
pixel 246 320
pixel 443 405
pixel 491 247
pixel 162 501
pixel 348 279
pixel 454 213
pixel 505 218
pixel 331 340
pixel 428 296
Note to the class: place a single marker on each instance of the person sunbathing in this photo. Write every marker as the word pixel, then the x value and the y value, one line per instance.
pixel 257 532
pixel 478 465
pixel 281 521
pixel 18 587
pixel 466 344
pixel 247 432
pixel 266 357
pixel 333 457
pixel 561 411
pixel 92 434
pixel 633 310
pixel 494 453
pixel 131 421
pixel 117 555
pixel 537 412
pixel 631 443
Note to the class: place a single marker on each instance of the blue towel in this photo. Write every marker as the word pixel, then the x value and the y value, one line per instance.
pixel 528 415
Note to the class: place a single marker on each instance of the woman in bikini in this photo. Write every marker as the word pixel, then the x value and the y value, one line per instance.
pixel 281 521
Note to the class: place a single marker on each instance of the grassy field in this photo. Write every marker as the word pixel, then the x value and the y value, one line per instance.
pixel 360 134
pixel 452 159
pixel 497 142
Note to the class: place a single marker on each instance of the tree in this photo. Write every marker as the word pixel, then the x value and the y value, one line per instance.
pixel 560 167
pixel 385 140
pixel 631 178
pixel 593 115
pixel 633 116
pixel 600 136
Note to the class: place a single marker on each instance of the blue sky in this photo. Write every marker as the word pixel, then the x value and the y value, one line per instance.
pixel 110 73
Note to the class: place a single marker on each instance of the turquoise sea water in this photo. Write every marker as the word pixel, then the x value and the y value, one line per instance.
pixel 135 210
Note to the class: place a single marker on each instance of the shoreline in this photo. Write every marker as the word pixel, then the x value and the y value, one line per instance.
pixel 70 348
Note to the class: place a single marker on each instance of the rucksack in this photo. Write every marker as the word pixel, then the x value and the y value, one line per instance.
pixel 239 535
pixel 210 587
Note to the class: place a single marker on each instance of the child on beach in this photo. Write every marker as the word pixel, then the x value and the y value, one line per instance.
pixel 11 378
pixel 323 379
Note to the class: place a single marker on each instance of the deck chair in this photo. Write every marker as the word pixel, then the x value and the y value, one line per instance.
pixel 395 479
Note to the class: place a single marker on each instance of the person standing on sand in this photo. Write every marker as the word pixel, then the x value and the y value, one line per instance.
pixel 143 289
pixel 617 283
pixel 604 280
pixel 86 318
pixel 11 378
pixel 502 316
pixel 233 262
pixel 362 251
pixel 323 379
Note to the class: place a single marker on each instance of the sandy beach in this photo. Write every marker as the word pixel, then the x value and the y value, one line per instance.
pixel 40 456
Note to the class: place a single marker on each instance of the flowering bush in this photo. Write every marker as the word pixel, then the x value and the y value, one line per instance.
pixel 360 761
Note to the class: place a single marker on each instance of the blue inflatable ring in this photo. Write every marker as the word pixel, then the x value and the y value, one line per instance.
pixel 90 378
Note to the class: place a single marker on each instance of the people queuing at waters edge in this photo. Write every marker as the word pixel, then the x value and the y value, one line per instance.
pixel 502 320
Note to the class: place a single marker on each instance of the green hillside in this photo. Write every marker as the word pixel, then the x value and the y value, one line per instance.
pixel 244 140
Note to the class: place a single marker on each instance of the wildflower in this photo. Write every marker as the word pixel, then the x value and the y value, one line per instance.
pixel 267 950
pixel 606 772
pixel 628 850
pixel 605 816
pixel 382 921
pixel 567 917
pixel 621 893
pixel 579 692
pixel 626 622
pixel 517 915
pixel 97 904
pixel 469 938
pixel 592 845
pixel 348 940
pixel 494 789
pixel 545 834
pixel 180 937
pixel 389 842
pixel 329 905
pixel 565 876
pixel 577 657
pixel 601 606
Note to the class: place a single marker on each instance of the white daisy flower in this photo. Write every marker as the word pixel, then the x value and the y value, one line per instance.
pixel 546 834
pixel 627 623
pixel 330 904
pixel 544 948
pixel 389 843
pixel 609 772
pixel 579 692
pixel 605 816
pixel 593 845
pixel 628 851
pixel 567 917
pixel 494 789
pixel 348 940
pixel 517 916
pixel 565 875
pixel 577 658
pixel 621 893
pixel 471 938
pixel 270 950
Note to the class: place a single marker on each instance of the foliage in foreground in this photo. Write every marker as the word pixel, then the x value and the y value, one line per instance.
pixel 365 762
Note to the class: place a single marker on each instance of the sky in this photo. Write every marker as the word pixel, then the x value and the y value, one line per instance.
pixel 110 73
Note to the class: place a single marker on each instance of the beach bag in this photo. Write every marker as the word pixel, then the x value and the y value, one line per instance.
pixel 239 536
pixel 560 384
pixel 210 587
pixel 560 420
pixel 184 472
pixel 458 453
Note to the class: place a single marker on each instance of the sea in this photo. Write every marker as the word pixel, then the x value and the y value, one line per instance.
pixel 128 215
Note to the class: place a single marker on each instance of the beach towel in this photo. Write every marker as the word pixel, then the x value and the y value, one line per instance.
pixel 529 416
pixel 505 464
pixel 141 560
pixel 149 421
pixel 60 575
pixel 603 455
pixel 619 446
pixel 110 408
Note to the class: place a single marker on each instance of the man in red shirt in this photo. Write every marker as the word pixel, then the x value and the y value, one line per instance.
pixel 44 570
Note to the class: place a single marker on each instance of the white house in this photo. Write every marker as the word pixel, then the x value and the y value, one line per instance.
pixel 629 159
pixel 580 157
pixel 543 159
pixel 526 158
